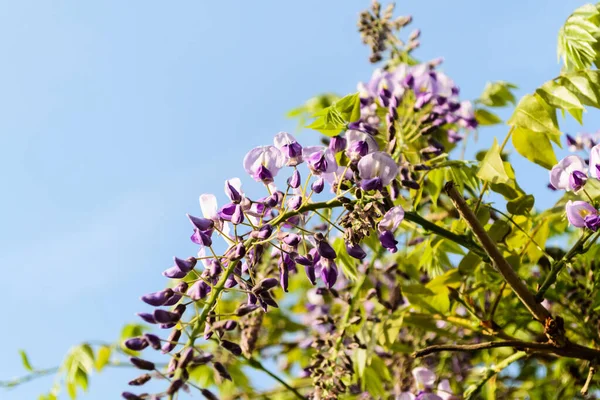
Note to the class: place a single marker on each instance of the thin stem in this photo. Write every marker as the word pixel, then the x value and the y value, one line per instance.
pixel 257 365
pixel 588 381
pixel 491 372
pixel 558 266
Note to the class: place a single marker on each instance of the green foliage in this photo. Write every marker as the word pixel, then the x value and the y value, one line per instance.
pixel 578 38
pixel 498 94
pixel 491 168
pixel 25 360
pixel 331 120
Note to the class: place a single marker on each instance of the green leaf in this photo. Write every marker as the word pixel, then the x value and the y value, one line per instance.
pixel 486 118
pixel 81 379
pixel 25 360
pixel 521 205
pixel 559 96
pixel 492 168
pixel 534 114
pixel 535 146
pixel 349 107
pixel 103 357
pixel 361 361
pixel 332 120
pixel 577 37
pixel 585 85
pixel 497 94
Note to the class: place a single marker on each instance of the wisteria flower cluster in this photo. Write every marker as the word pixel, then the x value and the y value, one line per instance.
pixel 571 174
pixel 370 264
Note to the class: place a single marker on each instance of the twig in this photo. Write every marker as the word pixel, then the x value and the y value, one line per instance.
pixel 257 365
pixel 492 371
pixel 518 344
pixel 558 266
pixel 588 381
pixel 505 269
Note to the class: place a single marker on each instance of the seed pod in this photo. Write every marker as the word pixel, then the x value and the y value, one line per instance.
pixel 140 380
pixel 142 364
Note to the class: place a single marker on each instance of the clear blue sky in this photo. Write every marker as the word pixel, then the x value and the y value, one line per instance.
pixel 115 116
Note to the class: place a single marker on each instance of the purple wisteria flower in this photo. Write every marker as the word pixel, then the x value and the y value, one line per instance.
pixel 289 148
pixel 319 159
pixel 377 170
pixel 595 161
pixel 424 378
pixel 359 144
pixel 263 163
pixel 388 224
pixel 582 214
pixel 561 173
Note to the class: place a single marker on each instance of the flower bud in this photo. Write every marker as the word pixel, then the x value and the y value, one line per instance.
pixel 222 371
pixel 165 317
pixel 202 224
pixel 175 386
pixel 208 394
pixel 284 276
pixel 234 348
pixel 295 202
pixel 185 265
pixel 388 241
pixel 294 180
pixel 149 318
pixel 201 238
pixel 311 273
pixel 174 273
pixel 198 290
pixel 245 309
pixel 181 287
pixel 136 343
pixel 157 298
pixel 230 325
pixel 140 380
pixel 130 396
pixel 265 284
pixel 324 248
pixel 356 251
pixel 142 364
pixel 329 272
pixel 232 193
pixel 238 252
pixel 186 356
pixel 171 341
pixel 153 340
pixel 292 239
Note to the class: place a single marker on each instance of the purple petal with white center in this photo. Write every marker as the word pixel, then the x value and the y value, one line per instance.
pixel 319 159
pixel 263 163
pixel 577 211
pixel 391 220
pixel 424 378
pixel 378 165
pixel 595 161
pixel 561 172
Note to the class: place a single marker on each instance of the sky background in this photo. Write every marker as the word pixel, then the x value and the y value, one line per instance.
pixel 115 116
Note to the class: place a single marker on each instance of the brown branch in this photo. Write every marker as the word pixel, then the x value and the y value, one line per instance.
pixel 505 269
pixel 572 351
